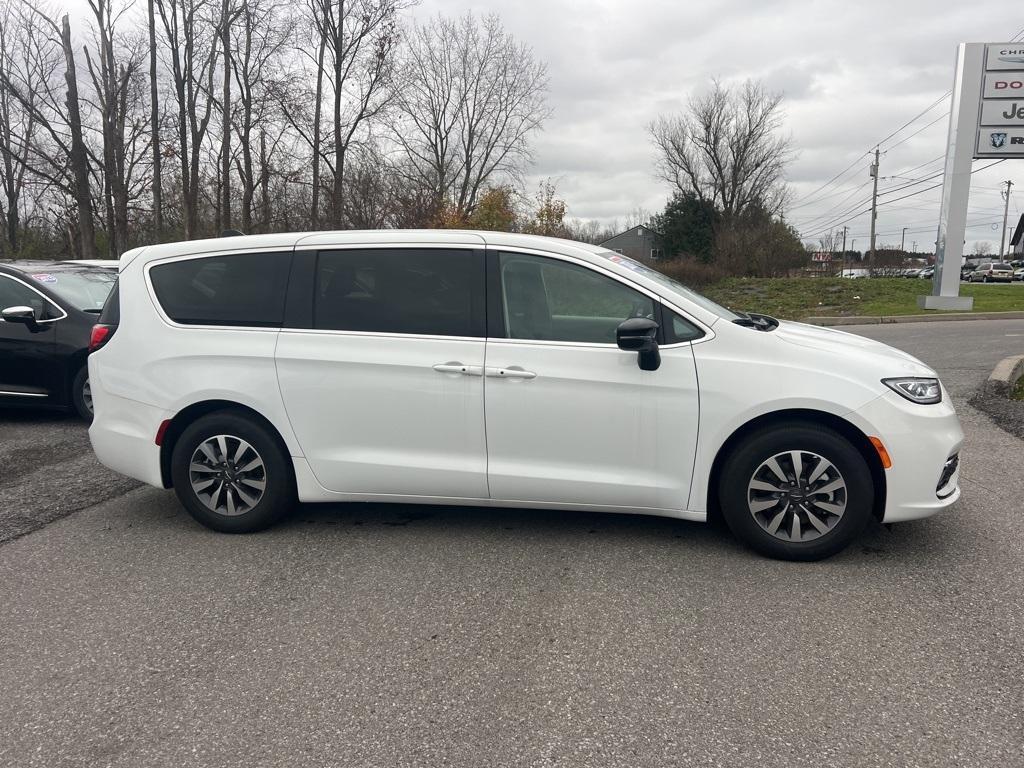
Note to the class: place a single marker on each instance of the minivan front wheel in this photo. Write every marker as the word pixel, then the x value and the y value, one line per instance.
pixel 796 492
pixel 231 474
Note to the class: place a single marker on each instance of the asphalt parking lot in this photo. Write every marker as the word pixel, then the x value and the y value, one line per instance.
pixel 367 635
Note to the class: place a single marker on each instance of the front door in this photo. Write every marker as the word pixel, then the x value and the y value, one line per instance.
pixel 28 369
pixel 571 418
pixel 385 390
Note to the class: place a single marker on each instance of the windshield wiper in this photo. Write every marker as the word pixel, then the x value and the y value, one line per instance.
pixel 757 321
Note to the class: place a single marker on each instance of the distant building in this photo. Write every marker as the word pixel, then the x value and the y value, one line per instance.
pixel 639 242
pixel 1017 241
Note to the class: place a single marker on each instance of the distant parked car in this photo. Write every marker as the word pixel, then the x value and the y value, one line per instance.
pixel 855 274
pixel 47 311
pixel 992 272
pixel 927 273
pixel 1018 274
pixel 913 272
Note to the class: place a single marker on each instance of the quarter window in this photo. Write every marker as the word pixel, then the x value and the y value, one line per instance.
pixel 551 300
pixel 245 289
pixel 425 291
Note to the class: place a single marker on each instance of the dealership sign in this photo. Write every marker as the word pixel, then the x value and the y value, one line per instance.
pixel 1001 107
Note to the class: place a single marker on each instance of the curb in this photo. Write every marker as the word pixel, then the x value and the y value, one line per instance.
pixel 1005 375
pixel 932 318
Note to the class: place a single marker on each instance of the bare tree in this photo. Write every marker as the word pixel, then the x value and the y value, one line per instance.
pixel 726 149
pixel 117 89
pixel 356 41
pixel 471 98
pixel 190 32
pixel 154 119
pixel 18 73
pixel 77 155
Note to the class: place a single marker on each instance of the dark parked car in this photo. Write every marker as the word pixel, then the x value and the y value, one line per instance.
pixel 47 311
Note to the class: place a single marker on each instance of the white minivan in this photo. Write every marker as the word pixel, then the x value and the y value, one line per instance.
pixel 501 370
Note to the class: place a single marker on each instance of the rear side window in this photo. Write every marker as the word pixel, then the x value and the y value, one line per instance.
pixel 427 291
pixel 111 312
pixel 241 289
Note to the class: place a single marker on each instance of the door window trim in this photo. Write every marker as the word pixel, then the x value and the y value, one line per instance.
pixel 495 301
pixel 47 299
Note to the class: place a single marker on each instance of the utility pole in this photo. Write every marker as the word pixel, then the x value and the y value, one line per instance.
pixel 845 230
pixel 903 240
pixel 1006 213
pixel 874 203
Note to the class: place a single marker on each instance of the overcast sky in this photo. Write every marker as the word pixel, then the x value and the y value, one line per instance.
pixel 852 72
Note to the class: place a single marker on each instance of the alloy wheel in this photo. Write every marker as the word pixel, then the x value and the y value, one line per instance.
pixel 227 475
pixel 87 395
pixel 797 496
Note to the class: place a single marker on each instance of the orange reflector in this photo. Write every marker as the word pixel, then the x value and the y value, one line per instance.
pixel 882 453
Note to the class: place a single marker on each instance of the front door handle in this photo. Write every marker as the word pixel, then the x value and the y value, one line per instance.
pixel 511 372
pixel 457 367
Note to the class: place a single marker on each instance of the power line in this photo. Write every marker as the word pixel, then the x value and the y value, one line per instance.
pixel 827 183
pixel 919 130
pixel 919 115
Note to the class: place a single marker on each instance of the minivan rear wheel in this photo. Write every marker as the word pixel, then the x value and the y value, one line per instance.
pixel 231 474
pixel 796 492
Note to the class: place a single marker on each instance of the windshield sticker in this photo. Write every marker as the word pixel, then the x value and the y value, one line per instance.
pixel 45 278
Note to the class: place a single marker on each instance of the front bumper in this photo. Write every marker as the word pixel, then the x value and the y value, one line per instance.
pixel 921 440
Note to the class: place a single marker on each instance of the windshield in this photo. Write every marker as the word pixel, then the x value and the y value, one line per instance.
pixel 82 289
pixel 701 301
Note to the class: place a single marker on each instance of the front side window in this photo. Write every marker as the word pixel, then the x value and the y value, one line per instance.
pixel 245 289
pixel 551 300
pixel 15 294
pixel 422 291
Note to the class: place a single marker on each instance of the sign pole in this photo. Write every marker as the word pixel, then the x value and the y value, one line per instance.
pixel 956 182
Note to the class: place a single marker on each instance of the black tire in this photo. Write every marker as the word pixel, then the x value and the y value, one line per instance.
pixel 749 459
pixel 272 502
pixel 81 396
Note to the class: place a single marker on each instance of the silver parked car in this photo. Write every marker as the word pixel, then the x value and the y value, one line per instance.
pixel 992 272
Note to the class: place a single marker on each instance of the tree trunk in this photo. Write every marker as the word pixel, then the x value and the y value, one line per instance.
pixel 314 213
pixel 77 158
pixel 225 141
pixel 337 203
pixel 154 102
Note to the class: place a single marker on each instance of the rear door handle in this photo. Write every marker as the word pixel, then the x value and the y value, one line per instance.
pixel 511 372
pixel 456 367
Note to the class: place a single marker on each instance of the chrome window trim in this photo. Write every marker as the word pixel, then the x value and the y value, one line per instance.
pixel 42 295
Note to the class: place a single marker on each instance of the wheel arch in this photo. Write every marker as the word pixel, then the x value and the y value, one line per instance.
pixel 183 418
pixel 851 432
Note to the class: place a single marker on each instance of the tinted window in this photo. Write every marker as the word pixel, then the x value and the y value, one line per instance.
pixel 551 300
pixel 679 329
pixel 430 291
pixel 243 289
pixel 111 314
pixel 15 294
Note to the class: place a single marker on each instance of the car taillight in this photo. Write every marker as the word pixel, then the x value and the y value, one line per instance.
pixel 100 335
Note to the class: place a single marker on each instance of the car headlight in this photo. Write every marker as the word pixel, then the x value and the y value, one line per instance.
pixel 916 389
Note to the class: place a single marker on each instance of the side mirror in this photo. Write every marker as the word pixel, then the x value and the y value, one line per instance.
pixel 638 334
pixel 24 315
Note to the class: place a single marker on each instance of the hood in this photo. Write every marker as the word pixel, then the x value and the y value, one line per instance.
pixel 852 349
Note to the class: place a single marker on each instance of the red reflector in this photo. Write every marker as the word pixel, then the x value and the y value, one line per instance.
pixel 161 430
pixel 100 335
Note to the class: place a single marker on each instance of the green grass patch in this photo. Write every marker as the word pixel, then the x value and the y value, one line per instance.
pixel 797 298
pixel 1018 390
